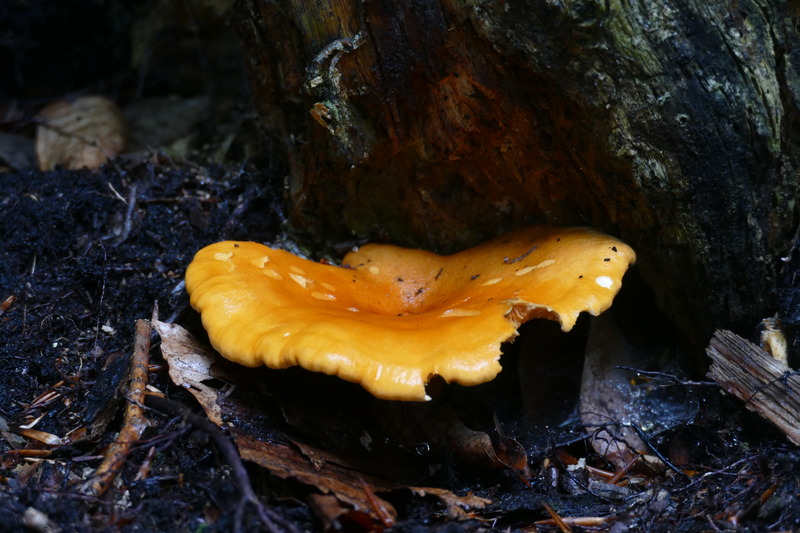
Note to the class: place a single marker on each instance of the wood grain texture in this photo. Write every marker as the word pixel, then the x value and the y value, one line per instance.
pixel 442 123
pixel 767 386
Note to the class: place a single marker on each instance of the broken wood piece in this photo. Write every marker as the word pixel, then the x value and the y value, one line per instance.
pixel 767 386
pixel 134 422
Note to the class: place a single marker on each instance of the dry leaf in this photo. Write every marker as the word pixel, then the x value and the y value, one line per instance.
pixel 189 365
pixel 354 488
pixel 476 447
pixel 455 503
pixel 286 462
pixel 84 132
pixel 335 516
pixel 41 436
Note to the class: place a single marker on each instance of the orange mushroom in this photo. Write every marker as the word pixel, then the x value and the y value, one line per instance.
pixel 392 318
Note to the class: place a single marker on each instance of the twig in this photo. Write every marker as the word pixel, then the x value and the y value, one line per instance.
pixel 134 422
pixel 661 457
pixel 579 521
pixel 621 472
pixel 270 519
pixel 129 213
pixel 559 522
pixel 384 514
pixel 668 379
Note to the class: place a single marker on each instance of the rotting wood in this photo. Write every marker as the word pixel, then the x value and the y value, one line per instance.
pixel 767 386
pixel 440 124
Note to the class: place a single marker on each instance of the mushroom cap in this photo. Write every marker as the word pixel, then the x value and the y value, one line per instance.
pixel 392 318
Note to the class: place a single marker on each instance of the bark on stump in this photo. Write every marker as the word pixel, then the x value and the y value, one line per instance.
pixel 440 123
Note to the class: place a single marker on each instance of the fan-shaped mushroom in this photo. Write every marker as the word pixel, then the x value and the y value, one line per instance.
pixel 392 318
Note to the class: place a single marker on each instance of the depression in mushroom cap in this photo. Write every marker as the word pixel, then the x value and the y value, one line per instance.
pixel 392 318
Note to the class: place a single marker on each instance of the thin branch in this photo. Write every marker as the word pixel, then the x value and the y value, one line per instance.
pixel 134 422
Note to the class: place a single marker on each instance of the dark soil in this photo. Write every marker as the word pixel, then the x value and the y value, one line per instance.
pixel 86 254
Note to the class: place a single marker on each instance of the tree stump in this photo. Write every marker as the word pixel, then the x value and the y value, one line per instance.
pixel 441 123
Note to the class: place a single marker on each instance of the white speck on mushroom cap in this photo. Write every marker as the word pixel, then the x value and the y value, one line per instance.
pixel 323 296
pixel 259 262
pixel 604 281
pixel 460 312
pixel 300 280
pixel 531 268
pixel 270 273
pixel 223 256
pixel 491 282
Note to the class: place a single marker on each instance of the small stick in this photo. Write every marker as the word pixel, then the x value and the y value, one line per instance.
pixel 579 521
pixel 661 457
pixel 556 518
pixel 384 514
pixel 618 475
pixel 134 421
pixel 129 213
